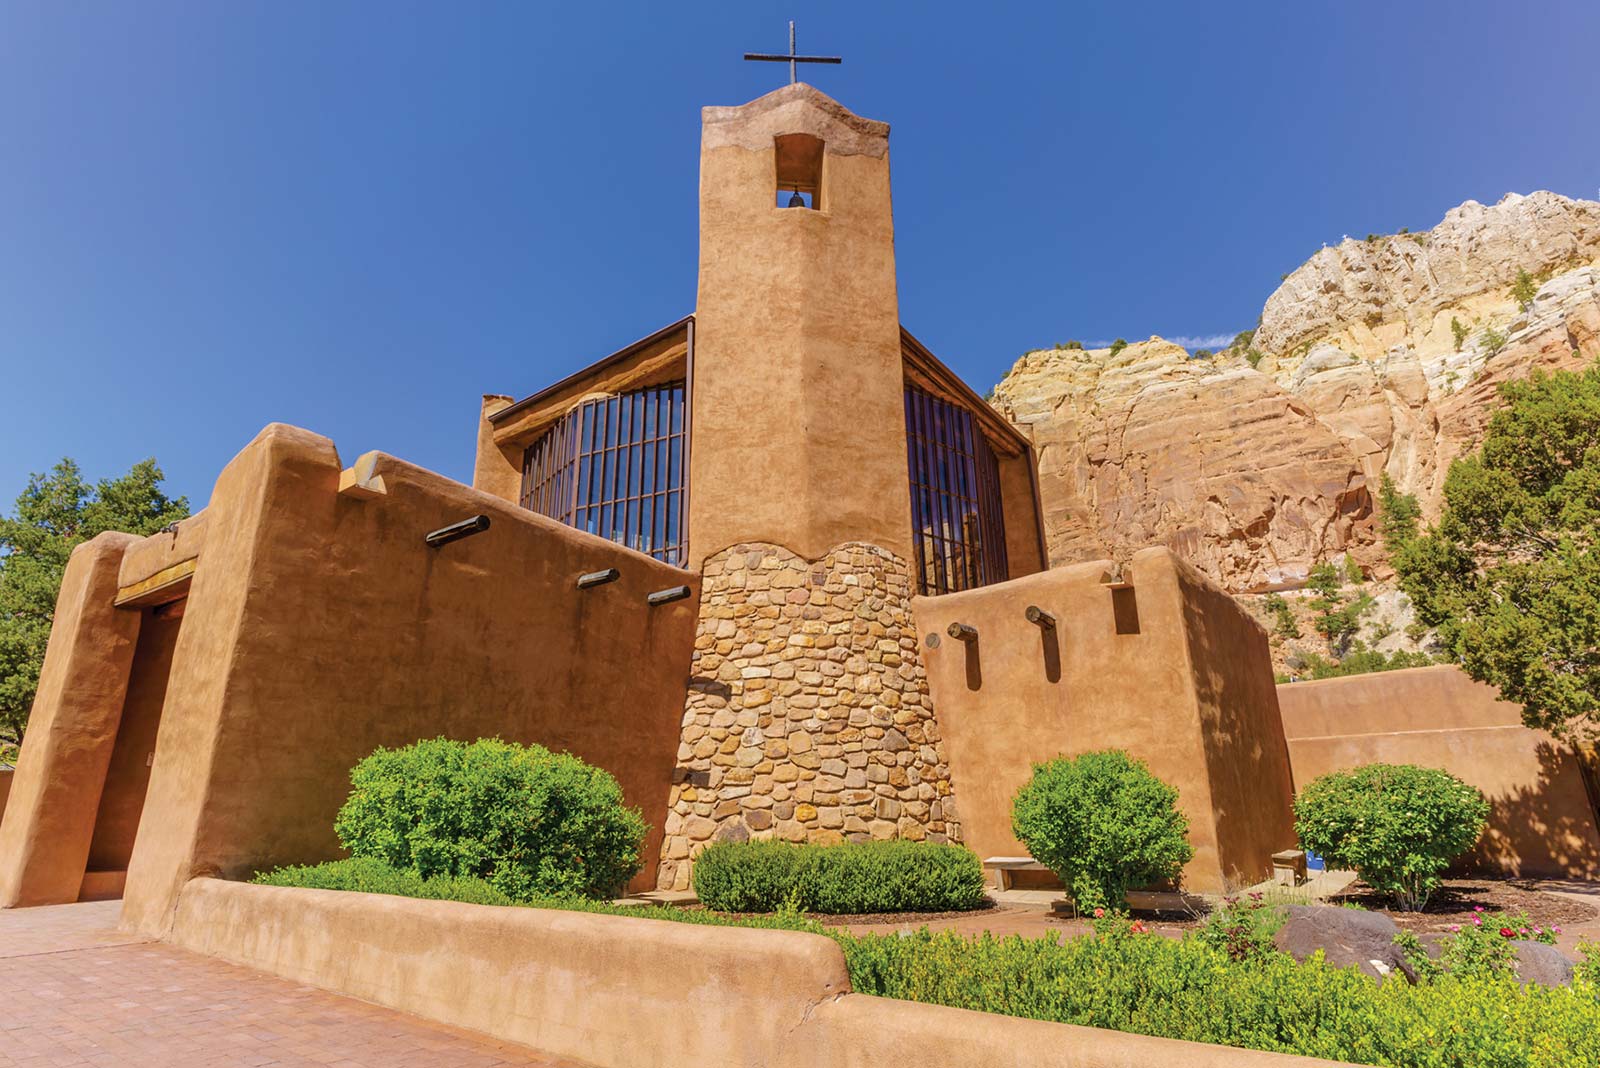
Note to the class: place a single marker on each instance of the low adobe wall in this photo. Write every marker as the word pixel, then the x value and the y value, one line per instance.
pixel 1164 666
pixel 619 992
pixel 1541 821
pixel 319 625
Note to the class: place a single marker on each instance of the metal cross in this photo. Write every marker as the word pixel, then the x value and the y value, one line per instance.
pixel 790 58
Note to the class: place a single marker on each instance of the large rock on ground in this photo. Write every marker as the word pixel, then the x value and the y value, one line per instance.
pixel 1347 938
pixel 1542 964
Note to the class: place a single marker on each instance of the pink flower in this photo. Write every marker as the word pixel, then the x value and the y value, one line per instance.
pixel 1477 921
pixel 1454 927
pixel 1477 908
pixel 1099 913
pixel 1555 930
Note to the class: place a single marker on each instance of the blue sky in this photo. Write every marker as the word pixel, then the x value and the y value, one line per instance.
pixel 358 217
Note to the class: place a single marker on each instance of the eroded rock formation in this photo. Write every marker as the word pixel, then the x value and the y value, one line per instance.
pixel 1375 357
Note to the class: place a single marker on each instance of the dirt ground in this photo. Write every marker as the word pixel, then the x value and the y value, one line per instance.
pixel 1573 906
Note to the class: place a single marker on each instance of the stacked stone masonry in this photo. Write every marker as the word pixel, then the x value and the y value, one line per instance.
pixel 807 716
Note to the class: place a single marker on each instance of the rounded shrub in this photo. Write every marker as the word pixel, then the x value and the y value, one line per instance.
pixel 1104 824
pixel 851 877
pixel 1398 826
pixel 528 821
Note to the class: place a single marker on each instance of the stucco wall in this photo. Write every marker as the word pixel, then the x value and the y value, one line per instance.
pixel 5 789
pixel 620 992
pixel 320 626
pixel 1179 692
pixel 49 819
pixel 799 419
pixel 1541 821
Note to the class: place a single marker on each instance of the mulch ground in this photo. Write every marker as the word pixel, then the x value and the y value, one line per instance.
pixel 1455 901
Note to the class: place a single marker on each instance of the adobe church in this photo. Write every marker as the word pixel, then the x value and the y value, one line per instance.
pixel 774 566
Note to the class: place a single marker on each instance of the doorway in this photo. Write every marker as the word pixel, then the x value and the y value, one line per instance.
pixel 116 822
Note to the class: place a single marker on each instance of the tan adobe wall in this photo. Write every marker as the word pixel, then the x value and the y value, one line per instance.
pixel 798 418
pixel 1541 820
pixel 49 818
pixel 620 992
pixel 1180 692
pixel 807 716
pixel 320 626
pixel 5 789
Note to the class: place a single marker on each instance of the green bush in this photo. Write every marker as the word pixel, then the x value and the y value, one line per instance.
pixel 1104 824
pixel 1399 826
pixel 853 877
pixel 1189 990
pixel 1480 949
pixel 526 820
pixel 369 876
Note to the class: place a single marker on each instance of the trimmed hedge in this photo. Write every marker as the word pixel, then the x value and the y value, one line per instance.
pixel 525 819
pixel 367 876
pixel 852 877
pixel 1150 985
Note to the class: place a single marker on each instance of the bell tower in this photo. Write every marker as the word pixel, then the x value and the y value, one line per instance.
pixel 807 716
pixel 799 421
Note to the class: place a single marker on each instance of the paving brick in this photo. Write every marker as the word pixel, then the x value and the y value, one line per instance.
pixel 76 994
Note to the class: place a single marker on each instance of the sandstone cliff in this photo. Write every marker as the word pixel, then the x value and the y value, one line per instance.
pixel 1265 459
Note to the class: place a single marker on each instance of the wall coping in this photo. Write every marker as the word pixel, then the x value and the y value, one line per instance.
pixel 619 991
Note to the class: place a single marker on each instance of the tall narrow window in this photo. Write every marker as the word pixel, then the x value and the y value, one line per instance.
pixel 614 467
pixel 955 497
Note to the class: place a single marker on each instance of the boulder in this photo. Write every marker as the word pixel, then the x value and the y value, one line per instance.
pixel 1542 964
pixel 1347 938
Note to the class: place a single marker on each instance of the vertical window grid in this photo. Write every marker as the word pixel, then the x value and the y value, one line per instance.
pixel 956 510
pixel 614 467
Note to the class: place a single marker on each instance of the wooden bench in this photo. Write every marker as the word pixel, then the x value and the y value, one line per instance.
pixel 1004 866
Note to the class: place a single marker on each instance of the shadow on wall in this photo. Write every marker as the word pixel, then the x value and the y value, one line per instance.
pixel 1535 827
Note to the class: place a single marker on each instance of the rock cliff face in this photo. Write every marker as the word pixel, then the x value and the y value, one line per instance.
pixel 1265 459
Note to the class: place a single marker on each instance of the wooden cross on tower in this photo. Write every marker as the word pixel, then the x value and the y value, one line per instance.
pixel 790 58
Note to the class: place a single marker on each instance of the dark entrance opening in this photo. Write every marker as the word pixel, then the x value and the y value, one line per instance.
pixel 116 823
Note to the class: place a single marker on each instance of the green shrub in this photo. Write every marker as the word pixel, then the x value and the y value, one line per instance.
pixel 526 820
pixel 1399 826
pixel 1243 928
pixel 1104 824
pixel 1524 289
pixel 367 875
pixel 1492 340
pixel 853 877
pixel 370 876
pixel 1481 949
pixel 1460 331
pixel 1118 345
pixel 1147 984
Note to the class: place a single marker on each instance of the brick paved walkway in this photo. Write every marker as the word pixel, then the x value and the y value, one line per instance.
pixel 74 992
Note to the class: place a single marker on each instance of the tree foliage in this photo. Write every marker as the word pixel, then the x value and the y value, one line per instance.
pixel 1511 572
pixel 1338 614
pixel 56 512
pixel 1524 289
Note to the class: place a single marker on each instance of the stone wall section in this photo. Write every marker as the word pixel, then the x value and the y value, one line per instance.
pixel 807 716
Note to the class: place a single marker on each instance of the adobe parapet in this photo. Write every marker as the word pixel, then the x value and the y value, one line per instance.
pixel 1154 660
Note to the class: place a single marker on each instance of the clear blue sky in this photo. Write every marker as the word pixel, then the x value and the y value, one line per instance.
pixel 358 217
